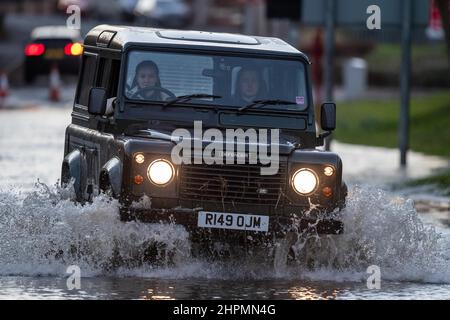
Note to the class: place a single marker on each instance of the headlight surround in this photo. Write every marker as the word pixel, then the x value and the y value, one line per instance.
pixel 160 172
pixel 305 181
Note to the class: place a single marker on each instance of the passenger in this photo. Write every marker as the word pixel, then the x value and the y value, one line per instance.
pixel 250 86
pixel 147 77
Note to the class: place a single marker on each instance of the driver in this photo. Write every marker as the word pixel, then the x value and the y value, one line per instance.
pixel 147 77
pixel 250 86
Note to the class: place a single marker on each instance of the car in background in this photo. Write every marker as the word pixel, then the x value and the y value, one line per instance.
pixel 52 46
pixel 163 13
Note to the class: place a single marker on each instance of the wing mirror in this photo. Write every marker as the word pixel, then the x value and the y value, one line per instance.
pixel 97 101
pixel 328 116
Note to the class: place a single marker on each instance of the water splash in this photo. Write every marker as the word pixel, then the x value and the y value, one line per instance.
pixel 43 232
pixel 383 230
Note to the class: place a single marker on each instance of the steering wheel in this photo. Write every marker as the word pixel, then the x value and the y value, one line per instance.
pixel 145 92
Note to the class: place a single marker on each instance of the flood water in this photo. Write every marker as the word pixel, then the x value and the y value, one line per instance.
pixel 40 227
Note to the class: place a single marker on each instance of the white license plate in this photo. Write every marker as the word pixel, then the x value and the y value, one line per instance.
pixel 235 221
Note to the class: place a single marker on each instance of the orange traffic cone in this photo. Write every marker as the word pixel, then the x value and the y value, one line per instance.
pixel 55 84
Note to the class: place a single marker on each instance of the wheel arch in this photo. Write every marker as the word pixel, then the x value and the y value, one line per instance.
pixel 71 169
pixel 111 176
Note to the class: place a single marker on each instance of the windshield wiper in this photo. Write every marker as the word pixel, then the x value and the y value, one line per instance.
pixel 190 97
pixel 261 103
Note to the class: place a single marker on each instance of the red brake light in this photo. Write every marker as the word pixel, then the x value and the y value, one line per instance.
pixel 67 49
pixel 34 49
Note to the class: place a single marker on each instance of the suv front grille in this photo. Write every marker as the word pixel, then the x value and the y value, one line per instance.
pixel 237 183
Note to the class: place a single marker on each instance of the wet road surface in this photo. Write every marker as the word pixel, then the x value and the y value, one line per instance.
pixel 385 229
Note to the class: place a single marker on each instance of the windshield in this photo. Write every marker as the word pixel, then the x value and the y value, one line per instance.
pixel 222 80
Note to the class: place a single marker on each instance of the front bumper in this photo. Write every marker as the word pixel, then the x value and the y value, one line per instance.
pixel 278 225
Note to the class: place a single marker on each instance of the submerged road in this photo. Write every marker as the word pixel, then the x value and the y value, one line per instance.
pixel 410 243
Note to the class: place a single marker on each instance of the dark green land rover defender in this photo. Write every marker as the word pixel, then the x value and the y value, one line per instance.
pixel 218 130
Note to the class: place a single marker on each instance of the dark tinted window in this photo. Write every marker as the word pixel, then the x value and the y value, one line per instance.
pixel 108 76
pixel 86 79
pixel 114 78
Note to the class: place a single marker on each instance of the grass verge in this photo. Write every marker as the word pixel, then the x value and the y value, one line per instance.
pixel 376 123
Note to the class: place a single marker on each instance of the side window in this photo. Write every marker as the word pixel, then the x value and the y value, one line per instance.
pixel 113 78
pixel 108 76
pixel 102 71
pixel 86 78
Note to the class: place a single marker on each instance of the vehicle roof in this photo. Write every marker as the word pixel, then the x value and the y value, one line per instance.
pixel 119 37
pixel 55 32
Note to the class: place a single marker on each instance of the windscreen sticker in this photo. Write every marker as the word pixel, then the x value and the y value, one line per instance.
pixel 300 99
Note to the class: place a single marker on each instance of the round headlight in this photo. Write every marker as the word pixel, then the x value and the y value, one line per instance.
pixel 160 172
pixel 304 181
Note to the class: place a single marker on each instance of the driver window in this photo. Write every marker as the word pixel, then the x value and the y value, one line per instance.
pixel 161 76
